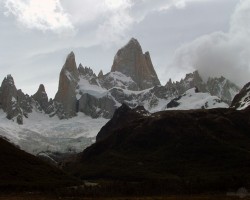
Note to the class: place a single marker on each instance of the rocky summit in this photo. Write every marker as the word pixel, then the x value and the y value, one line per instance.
pixel 41 97
pixel 132 80
pixel 242 99
pixel 14 102
pixel 131 61
pixel 220 87
pixel 66 96
pixel 89 100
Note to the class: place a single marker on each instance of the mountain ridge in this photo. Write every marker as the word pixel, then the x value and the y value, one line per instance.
pixel 193 150
pixel 83 95
pixel 81 90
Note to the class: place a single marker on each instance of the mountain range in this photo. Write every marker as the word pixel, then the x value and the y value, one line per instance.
pixel 132 80
pixel 126 132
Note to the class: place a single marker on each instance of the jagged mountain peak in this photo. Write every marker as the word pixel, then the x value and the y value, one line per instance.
pixel 133 40
pixel 9 80
pixel 68 80
pixel 100 74
pixel 70 63
pixel 85 71
pixel 221 87
pixel 41 88
pixel 195 76
pixel 133 43
pixel 131 61
pixel 41 92
pixel 80 66
pixel 41 98
pixel 71 55
pixel 242 99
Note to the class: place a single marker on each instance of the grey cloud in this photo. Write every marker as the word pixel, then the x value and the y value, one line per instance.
pixel 221 53
pixel 35 57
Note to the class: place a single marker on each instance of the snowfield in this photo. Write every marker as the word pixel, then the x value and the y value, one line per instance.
pixel 40 133
pixel 192 100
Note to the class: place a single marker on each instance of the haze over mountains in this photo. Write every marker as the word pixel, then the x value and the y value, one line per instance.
pixel 82 93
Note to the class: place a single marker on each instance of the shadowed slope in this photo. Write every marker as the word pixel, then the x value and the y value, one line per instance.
pixel 20 170
pixel 204 150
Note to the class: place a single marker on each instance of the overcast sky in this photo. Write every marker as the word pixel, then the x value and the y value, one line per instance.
pixel 181 36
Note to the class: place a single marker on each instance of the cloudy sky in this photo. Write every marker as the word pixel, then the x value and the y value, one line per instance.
pixel 181 36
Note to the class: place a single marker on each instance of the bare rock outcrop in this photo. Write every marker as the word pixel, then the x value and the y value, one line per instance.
pixel 66 95
pixel 242 100
pixel 41 98
pixel 9 100
pixel 131 61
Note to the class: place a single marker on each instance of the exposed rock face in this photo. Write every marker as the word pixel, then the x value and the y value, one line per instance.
pixel 80 90
pixel 190 81
pixel 100 75
pixel 25 102
pixel 9 100
pixel 8 90
pixel 242 100
pixel 220 87
pixel 117 79
pixel 42 98
pixel 131 61
pixel 88 74
pixel 66 95
pixel 96 107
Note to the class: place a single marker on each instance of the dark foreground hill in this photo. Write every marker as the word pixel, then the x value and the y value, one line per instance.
pixel 174 151
pixel 22 171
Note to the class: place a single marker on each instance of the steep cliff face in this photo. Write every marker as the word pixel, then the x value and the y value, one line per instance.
pixel 242 100
pixel 41 98
pixel 68 80
pixel 223 88
pixel 9 100
pixel 132 80
pixel 131 61
pixel 8 92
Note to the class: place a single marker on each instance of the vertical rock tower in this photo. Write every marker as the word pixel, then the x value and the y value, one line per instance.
pixel 68 80
pixel 131 61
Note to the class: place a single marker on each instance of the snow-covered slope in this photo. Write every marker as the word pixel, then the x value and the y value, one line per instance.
pixel 220 87
pixel 117 79
pixel 40 133
pixel 84 102
pixel 192 99
pixel 242 100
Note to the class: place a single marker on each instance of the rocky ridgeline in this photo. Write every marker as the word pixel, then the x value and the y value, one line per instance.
pixel 17 105
pixel 220 87
pixel 80 90
pixel 132 80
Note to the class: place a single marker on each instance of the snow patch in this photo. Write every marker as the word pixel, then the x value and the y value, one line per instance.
pixel 40 133
pixel 192 100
